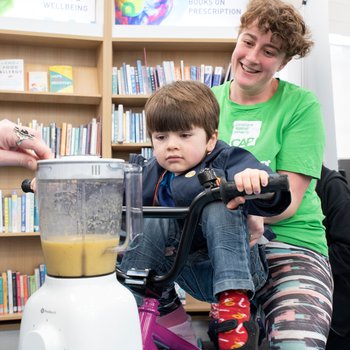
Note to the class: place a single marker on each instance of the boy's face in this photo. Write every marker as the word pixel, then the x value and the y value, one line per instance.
pixel 179 151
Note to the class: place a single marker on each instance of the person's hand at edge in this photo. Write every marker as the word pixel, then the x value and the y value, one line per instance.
pixel 21 146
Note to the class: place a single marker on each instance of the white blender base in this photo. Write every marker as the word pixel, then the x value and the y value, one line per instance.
pixel 96 313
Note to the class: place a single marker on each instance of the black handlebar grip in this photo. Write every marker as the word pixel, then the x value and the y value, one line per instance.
pixel 276 182
pixel 26 186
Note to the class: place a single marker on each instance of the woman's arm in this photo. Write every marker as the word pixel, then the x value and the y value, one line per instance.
pixel 298 184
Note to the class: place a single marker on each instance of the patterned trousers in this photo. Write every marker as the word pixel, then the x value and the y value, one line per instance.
pixel 297 298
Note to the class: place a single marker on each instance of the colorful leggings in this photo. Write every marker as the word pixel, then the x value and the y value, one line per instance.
pixel 297 298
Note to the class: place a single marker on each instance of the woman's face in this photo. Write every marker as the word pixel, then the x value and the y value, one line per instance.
pixel 256 59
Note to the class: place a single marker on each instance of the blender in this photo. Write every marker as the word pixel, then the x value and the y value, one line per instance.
pixel 82 305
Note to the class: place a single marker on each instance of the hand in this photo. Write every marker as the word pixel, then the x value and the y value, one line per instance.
pixel 255 228
pixel 21 146
pixel 250 181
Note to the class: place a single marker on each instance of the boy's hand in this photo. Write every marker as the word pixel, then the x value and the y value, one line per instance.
pixel 250 181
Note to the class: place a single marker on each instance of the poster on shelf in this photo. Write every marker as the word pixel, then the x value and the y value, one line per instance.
pixel 12 74
pixel 79 11
pixel 183 13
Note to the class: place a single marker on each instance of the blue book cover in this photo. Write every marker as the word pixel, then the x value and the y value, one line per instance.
pixel 193 73
pixel 36 215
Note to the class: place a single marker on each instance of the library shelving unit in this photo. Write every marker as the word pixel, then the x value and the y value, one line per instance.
pixel 92 50
pixel 82 46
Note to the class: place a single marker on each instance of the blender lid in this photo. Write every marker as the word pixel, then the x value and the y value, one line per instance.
pixel 80 167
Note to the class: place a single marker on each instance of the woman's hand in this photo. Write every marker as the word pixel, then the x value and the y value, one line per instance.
pixel 255 228
pixel 21 146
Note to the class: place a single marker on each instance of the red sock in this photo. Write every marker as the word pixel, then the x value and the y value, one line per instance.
pixel 234 305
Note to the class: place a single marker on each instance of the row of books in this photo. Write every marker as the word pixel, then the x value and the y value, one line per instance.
pixel 18 213
pixel 147 152
pixel 68 140
pixel 128 126
pixel 58 78
pixel 16 288
pixel 143 80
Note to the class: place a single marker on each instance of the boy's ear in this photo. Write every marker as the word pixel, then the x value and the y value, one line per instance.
pixel 212 141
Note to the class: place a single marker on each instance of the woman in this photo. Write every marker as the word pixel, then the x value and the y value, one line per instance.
pixel 281 124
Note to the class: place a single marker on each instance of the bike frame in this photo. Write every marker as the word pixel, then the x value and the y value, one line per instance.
pixel 153 333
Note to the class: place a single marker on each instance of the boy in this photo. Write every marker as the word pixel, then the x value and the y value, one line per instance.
pixel 182 120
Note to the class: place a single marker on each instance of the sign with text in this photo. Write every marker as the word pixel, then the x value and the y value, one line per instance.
pixel 180 13
pixel 80 11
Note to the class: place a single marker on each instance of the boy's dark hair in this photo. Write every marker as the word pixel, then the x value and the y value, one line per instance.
pixel 283 20
pixel 180 106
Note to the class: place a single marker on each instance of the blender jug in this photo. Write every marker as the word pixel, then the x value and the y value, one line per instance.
pixel 80 206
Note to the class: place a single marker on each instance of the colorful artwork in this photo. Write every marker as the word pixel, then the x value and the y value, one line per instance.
pixel 142 12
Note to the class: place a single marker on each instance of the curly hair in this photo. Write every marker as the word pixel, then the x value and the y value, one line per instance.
pixel 283 20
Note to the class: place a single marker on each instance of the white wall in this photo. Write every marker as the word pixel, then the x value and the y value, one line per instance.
pixel 339 23
pixel 314 71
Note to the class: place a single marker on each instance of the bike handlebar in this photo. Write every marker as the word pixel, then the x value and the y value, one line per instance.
pixel 225 191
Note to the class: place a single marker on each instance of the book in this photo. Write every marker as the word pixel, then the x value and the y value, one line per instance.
pixel 61 79
pixel 114 81
pixel 218 75
pixel 63 139
pixel 23 212
pixel 1 213
pixel 1 296
pixel 12 74
pixel 208 75
pixel 5 293
pixel 9 292
pixel 37 81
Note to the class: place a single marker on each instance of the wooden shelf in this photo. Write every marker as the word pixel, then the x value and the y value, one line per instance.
pixel 173 44
pixel 48 39
pixel 47 97
pixel 11 317
pixel 129 147
pixel 19 234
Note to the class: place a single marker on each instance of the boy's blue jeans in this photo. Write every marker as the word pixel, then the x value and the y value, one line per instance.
pixel 220 257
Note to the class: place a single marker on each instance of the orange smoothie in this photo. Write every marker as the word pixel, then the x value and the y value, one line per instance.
pixel 78 256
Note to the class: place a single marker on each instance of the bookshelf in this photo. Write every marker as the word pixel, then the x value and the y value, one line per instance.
pixel 92 51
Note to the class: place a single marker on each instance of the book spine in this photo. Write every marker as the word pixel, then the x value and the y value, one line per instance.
pixel 114 80
pixel 36 215
pixel 42 273
pixel 63 139
pixel 120 124
pixel 1 296
pixel 10 291
pixel 14 292
pixel 25 289
pixel 18 294
pixel 193 73
pixel 14 212
pixel 58 142
pixel 1 213
pixel 5 292
pixel 21 288
pixel 139 72
pixel 23 213
pixel 6 214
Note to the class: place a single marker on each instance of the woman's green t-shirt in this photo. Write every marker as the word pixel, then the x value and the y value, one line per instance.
pixel 285 133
